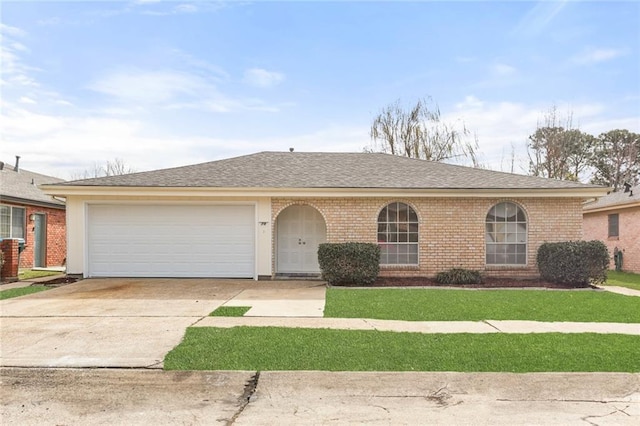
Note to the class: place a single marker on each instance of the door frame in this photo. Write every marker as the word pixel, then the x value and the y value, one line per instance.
pixel 276 242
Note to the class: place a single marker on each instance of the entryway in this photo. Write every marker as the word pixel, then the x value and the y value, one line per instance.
pixel 40 240
pixel 300 230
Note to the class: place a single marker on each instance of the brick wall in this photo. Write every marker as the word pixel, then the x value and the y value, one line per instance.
pixel 451 230
pixel 9 271
pixel 56 251
pixel 596 227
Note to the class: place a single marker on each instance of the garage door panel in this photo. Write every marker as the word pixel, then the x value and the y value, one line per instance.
pixel 171 241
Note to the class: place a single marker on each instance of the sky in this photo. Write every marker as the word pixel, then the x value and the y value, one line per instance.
pixel 168 83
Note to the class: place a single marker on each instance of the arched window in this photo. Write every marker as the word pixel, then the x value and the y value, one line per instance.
pixel 398 235
pixel 506 235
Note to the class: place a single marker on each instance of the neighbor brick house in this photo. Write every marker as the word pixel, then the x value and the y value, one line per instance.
pixel 615 220
pixel 264 215
pixel 29 214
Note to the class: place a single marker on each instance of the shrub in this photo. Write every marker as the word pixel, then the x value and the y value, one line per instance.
pixel 349 263
pixel 574 262
pixel 459 276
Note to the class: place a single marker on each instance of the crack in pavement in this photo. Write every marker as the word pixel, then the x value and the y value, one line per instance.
pixel 492 326
pixel 617 410
pixel 245 399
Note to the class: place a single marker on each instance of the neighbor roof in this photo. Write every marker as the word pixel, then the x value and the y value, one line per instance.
pixel 22 187
pixel 327 170
pixel 616 199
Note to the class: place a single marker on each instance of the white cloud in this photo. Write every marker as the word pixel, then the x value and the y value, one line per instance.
pixel 153 87
pixel 503 70
pixel 596 55
pixel 539 17
pixel 26 100
pixel 262 78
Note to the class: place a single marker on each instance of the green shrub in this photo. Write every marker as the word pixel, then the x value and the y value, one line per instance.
pixel 574 262
pixel 349 263
pixel 459 276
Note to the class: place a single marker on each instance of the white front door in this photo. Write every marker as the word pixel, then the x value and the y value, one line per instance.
pixel 301 229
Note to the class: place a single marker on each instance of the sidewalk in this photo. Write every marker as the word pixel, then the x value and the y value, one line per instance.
pixel 488 326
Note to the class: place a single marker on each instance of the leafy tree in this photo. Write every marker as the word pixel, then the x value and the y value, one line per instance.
pixel 616 159
pixel 114 167
pixel 419 132
pixel 556 150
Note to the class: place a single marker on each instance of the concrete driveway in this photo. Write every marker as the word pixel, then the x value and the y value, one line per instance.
pixel 132 322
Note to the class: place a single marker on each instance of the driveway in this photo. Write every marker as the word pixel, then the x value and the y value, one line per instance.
pixel 133 322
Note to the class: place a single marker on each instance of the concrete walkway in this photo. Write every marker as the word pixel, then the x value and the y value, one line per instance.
pixel 488 326
pixel 620 290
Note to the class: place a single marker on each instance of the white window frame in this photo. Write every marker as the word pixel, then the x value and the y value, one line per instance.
pixel 503 236
pixel 390 230
pixel 10 223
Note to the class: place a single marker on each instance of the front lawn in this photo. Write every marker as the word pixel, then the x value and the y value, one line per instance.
pixel 623 279
pixel 21 291
pixel 277 348
pixel 478 305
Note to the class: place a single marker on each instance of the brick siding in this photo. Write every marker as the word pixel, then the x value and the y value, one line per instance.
pixel 9 271
pixel 56 251
pixel 451 230
pixel 596 227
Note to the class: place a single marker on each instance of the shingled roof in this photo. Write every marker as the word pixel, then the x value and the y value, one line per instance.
pixel 22 187
pixel 616 199
pixel 326 170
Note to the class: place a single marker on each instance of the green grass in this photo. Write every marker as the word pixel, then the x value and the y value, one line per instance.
pixel 29 274
pixel 470 305
pixel 623 279
pixel 276 348
pixel 21 291
pixel 230 311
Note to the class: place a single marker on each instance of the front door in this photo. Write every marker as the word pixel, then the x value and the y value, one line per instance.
pixel 40 241
pixel 301 229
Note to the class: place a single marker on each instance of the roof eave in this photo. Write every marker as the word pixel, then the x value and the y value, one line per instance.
pixel 621 206
pixel 68 190
pixel 18 200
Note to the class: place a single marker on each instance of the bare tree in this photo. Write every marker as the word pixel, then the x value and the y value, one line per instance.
pixel 556 150
pixel 616 159
pixel 114 167
pixel 419 132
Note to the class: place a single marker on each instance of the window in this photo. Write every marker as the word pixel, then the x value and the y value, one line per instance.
pixel 12 222
pixel 506 235
pixel 398 235
pixel 614 225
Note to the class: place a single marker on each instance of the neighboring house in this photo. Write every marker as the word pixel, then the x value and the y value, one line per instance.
pixel 615 220
pixel 264 215
pixel 29 214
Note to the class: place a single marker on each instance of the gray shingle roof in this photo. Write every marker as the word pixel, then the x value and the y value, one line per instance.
pixel 615 199
pixel 23 186
pixel 327 170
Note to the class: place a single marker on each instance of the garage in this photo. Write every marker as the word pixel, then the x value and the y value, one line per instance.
pixel 131 240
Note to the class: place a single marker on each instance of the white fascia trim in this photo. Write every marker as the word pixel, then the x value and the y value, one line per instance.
pixel 584 193
pixel 611 207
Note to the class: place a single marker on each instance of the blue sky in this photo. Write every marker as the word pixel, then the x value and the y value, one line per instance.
pixel 167 83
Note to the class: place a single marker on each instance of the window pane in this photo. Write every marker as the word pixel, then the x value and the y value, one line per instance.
pixel 398 234
pixel 17 222
pixel 613 225
pixel 5 222
pixel 382 217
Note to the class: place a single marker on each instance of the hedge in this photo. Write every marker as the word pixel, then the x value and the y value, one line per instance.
pixel 459 276
pixel 576 263
pixel 349 263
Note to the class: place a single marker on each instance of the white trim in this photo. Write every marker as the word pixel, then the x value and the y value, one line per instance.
pixel 119 191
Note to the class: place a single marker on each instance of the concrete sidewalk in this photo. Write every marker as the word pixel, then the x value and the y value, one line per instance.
pixel 488 326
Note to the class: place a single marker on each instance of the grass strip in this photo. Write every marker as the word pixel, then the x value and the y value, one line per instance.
pixel 623 279
pixel 230 311
pixel 278 348
pixel 472 305
pixel 21 291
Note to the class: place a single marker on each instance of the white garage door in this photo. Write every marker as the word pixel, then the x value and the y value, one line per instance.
pixel 171 241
